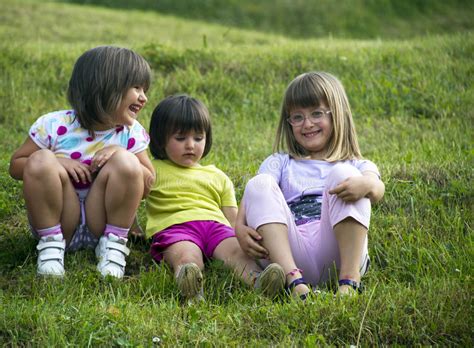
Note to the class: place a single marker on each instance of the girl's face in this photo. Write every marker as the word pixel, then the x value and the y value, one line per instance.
pixel 315 130
pixel 132 102
pixel 186 149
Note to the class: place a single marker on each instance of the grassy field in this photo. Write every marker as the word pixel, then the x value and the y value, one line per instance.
pixel 359 19
pixel 412 95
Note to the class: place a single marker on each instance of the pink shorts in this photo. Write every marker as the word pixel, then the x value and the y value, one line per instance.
pixel 207 235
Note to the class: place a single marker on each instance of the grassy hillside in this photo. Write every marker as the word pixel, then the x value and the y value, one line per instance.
pixel 359 19
pixel 38 23
pixel 413 107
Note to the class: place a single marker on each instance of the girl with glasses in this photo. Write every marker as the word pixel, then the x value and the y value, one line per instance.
pixel 308 209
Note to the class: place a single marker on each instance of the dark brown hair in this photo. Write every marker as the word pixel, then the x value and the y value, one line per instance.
pixel 99 80
pixel 178 114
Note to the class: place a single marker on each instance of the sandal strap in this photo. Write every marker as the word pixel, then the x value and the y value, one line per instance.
pixel 50 257
pixel 52 244
pixel 119 247
pixel 116 259
pixel 352 283
pixel 303 297
pixel 294 271
pixel 296 282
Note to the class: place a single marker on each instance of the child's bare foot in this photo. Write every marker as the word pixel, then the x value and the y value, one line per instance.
pixel 297 286
pixel 349 287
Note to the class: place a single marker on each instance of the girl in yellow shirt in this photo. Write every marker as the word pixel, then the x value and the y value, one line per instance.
pixel 191 209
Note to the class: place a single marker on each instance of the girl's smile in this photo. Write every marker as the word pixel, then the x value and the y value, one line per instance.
pixel 135 108
pixel 132 102
pixel 313 135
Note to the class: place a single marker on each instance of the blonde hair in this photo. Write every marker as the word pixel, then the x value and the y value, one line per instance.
pixel 311 89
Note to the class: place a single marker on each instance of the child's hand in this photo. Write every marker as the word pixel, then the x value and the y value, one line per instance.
pixel 250 241
pixel 352 189
pixel 78 171
pixel 102 156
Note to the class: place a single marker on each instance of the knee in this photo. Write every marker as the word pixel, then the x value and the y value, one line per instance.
pixel 261 182
pixel 42 163
pixel 189 258
pixel 234 253
pixel 125 164
pixel 183 259
pixel 339 173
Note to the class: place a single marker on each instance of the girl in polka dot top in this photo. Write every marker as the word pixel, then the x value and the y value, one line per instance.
pixel 85 170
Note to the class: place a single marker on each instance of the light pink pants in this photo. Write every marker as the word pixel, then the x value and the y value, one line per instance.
pixel 314 246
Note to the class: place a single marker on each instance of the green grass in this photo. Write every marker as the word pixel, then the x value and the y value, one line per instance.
pixel 413 105
pixel 357 19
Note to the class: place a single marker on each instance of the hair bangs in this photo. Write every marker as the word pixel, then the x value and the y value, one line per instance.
pixel 303 92
pixel 101 76
pixel 139 73
pixel 312 89
pixel 178 114
pixel 190 116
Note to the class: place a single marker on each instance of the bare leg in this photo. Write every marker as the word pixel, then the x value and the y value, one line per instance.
pixel 113 199
pixel 234 257
pixel 186 260
pixel 49 194
pixel 115 194
pixel 181 253
pixel 275 240
pixel 350 237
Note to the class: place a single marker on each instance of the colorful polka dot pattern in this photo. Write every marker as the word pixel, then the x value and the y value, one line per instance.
pixel 131 143
pixel 76 155
pixel 61 133
pixel 61 130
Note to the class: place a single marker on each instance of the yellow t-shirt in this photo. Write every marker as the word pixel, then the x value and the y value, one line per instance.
pixel 183 194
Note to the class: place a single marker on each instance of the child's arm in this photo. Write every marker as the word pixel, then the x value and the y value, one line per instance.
pixel 148 170
pixel 102 156
pixel 377 187
pixel 79 172
pixel 230 214
pixel 249 239
pixel 19 158
pixel 354 188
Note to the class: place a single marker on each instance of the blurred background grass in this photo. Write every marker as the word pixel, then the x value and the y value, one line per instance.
pixel 356 19
pixel 408 69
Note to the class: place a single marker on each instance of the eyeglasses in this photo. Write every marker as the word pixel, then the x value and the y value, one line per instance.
pixel 315 117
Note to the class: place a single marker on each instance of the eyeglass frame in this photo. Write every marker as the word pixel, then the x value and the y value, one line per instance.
pixel 319 119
